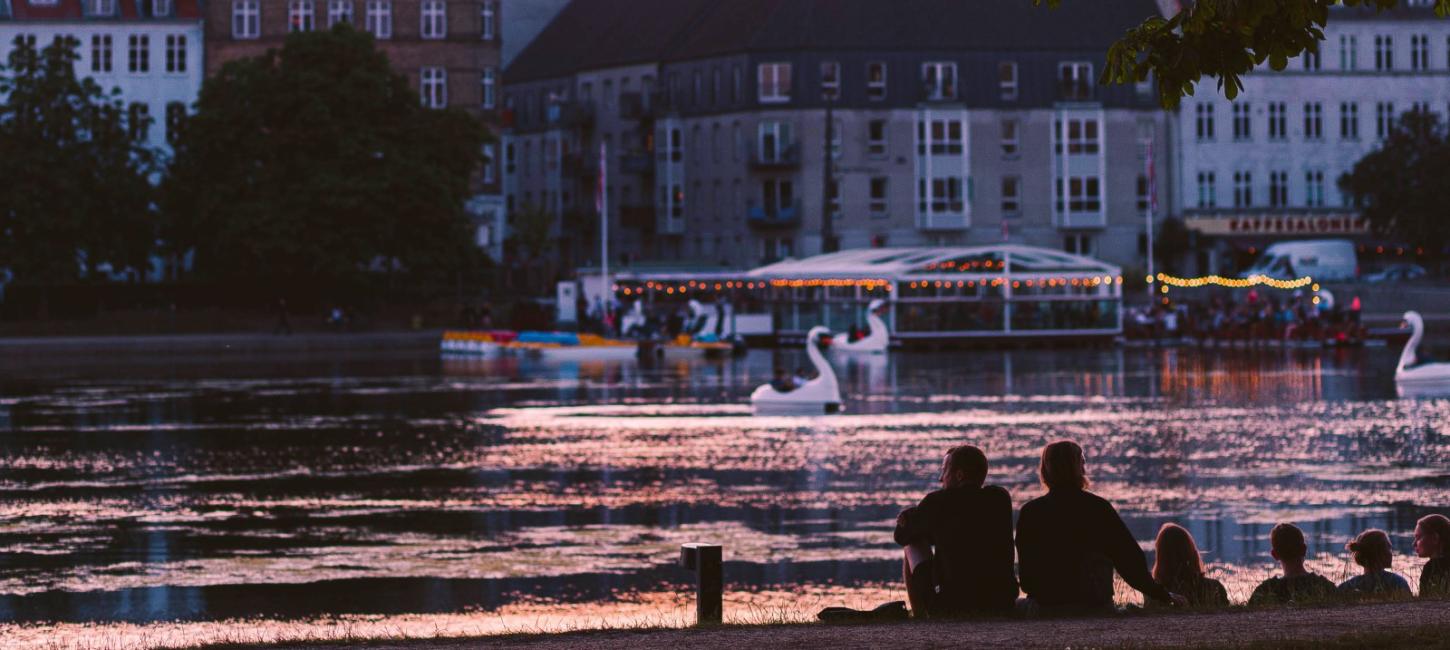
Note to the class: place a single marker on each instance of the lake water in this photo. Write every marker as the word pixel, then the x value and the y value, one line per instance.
pixel 174 501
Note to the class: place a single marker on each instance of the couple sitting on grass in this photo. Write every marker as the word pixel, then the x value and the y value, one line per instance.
pixel 959 550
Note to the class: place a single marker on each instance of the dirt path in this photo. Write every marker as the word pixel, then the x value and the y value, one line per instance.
pixel 1144 630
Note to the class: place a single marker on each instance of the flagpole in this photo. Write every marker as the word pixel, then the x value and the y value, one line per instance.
pixel 605 289
pixel 1152 207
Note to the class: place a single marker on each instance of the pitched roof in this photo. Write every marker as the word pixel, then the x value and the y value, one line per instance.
pixel 594 34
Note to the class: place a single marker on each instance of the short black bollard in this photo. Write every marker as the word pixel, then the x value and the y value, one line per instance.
pixel 705 560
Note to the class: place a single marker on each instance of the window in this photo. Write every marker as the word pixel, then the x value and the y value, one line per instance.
pixel 1243 189
pixel 876 81
pixel 945 137
pixel 1348 52
pixel 737 85
pixel 774 82
pixel 1010 143
pixel 777 194
pixel 1083 194
pixel 1082 135
pixel 339 11
pixel 489 83
pixel 1314 188
pixel 1007 80
pixel 300 16
pixel 1144 194
pixel 833 197
pixel 1313 121
pixel 1011 195
pixel 1384 53
pixel 876 138
pixel 1075 80
pixel 697 87
pixel 776 141
pixel 716 85
pixel 510 158
pixel 1349 121
pixel 138 51
pixel 175 113
pixel 176 53
pixel 1419 52
pixel 379 19
pixel 830 80
pixel 1243 124
pixel 103 7
pixel 1311 61
pixel 939 80
pixel 877 204
pixel 434 16
pixel 836 131
pixel 1207 193
pixel 1078 244
pixel 1278 121
pixel 138 121
pixel 1203 121
pixel 101 53
pixel 246 18
pixel 488 19
pixel 1278 189
pixel 945 194
pixel 160 8
pixel 433 87
pixel 1384 119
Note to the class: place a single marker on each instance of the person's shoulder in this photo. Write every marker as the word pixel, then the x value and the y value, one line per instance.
pixel 996 492
pixel 1399 581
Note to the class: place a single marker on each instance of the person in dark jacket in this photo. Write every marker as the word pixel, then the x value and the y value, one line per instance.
pixel 1376 555
pixel 1178 566
pixel 1297 585
pixel 1432 537
pixel 1070 540
pixel 959 543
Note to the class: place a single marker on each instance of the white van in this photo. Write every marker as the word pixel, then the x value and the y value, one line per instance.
pixel 1325 260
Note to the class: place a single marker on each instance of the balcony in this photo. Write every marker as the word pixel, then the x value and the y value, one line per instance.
pixel 762 218
pixel 570 115
pixel 788 157
pixel 639 163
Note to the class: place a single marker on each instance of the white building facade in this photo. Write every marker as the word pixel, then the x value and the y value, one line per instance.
pixel 149 50
pixel 1265 166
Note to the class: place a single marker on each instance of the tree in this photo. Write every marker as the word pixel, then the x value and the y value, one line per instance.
pixel 75 189
pixel 318 163
pixel 1222 39
pixel 1400 187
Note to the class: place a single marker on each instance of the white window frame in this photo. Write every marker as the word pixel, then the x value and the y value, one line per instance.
pixel 939 80
pixel 773 82
pixel 1384 119
pixel 1079 76
pixel 1348 52
pixel 134 112
pixel 379 19
pixel 489 163
pixel 339 11
pixel 1278 189
pixel 161 8
pixel 1011 201
pixel 1207 189
pixel 831 79
pixel 1349 120
pixel 1243 189
pixel 1313 121
pixel 1314 188
pixel 876 88
pixel 1384 52
pixel 1203 121
pixel 103 7
pixel 782 135
pixel 176 53
pixel 433 20
pixel 433 87
pixel 138 53
pixel 1243 122
pixel 301 16
pixel 1007 81
pixel 1278 121
pixel 102 53
pixel 246 19
pixel 488 20
pixel 175 113
pixel 1011 137
pixel 489 81
pixel 874 204
pixel 876 147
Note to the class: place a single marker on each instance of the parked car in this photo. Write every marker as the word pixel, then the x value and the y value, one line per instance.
pixel 1326 260
pixel 1397 273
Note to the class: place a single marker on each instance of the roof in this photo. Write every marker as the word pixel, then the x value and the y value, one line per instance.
pixel 70 10
pixel 896 263
pixel 596 34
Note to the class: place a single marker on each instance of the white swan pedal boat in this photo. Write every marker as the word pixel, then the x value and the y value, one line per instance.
pixel 819 396
pixel 876 341
pixel 1414 378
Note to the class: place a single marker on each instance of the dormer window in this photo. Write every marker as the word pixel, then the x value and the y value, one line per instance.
pixel 33 3
pixel 161 8
pixel 103 7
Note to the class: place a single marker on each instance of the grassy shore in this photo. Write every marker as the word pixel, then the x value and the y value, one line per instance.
pixel 1423 624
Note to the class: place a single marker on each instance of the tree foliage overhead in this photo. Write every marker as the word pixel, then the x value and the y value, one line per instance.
pixel 1223 40
pixel 74 184
pixel 1401 186
pixel 317 163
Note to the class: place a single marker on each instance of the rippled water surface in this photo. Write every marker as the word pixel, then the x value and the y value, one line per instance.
pixel 247 499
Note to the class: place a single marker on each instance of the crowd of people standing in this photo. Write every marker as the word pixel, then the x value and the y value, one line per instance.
pixel 959 548
pixel 1255 319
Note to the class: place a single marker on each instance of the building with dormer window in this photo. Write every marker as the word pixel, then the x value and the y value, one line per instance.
pixel 149 50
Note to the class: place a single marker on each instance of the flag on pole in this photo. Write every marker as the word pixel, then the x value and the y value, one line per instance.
pixel 1152 180
pixel 599 182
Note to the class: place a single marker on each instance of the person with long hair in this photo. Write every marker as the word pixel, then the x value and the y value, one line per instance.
pixel 1372 552
pixel 1070 540
pixel 1432 540
pixel 1178 567
pixel 1297 585
pixel 958 542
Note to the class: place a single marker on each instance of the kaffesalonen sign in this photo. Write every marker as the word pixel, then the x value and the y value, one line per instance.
pixel 1237 224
